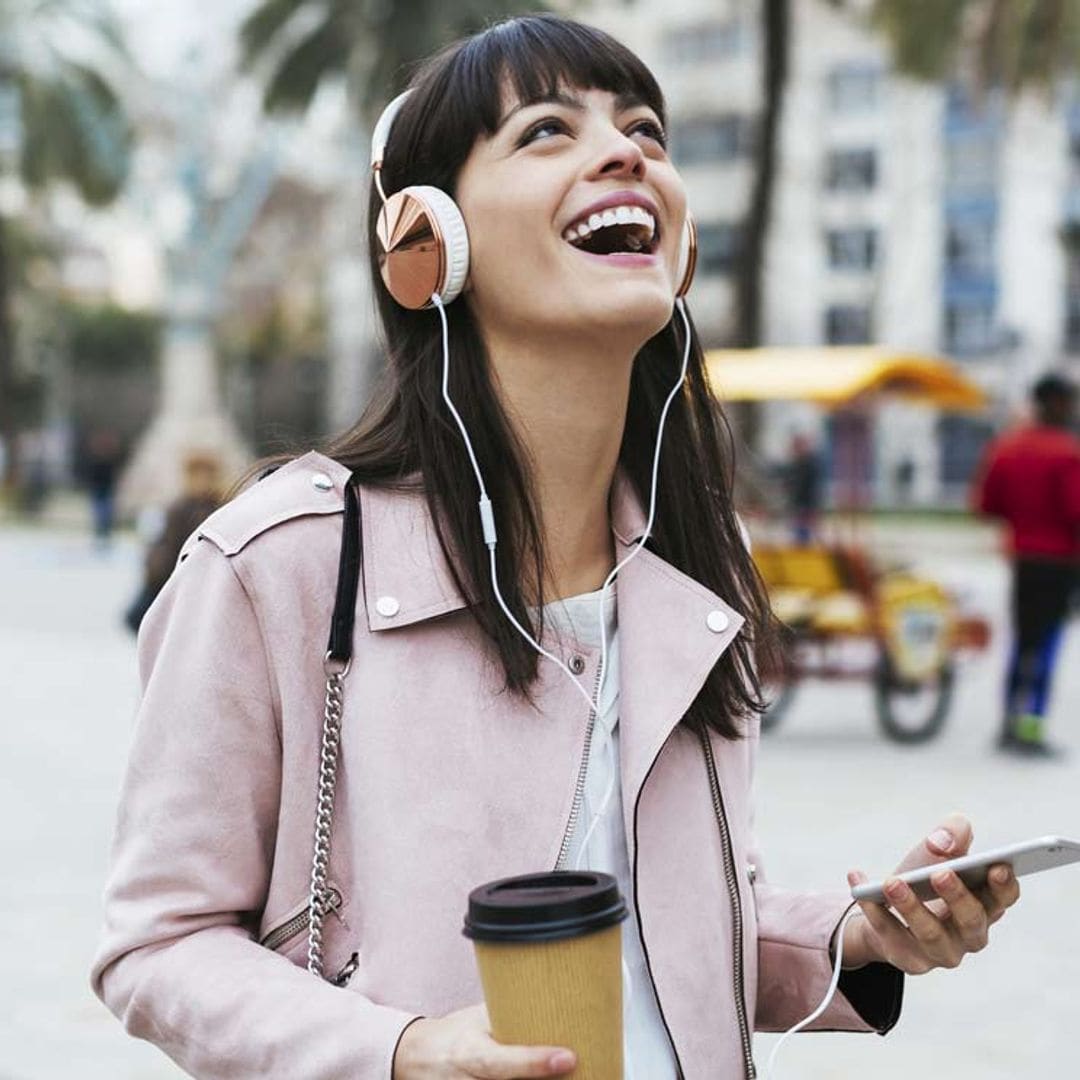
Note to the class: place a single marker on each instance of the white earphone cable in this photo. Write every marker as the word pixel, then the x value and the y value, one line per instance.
pixel 833 983
pixel 487 519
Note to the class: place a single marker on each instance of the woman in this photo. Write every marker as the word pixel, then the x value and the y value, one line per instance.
pixel 463 757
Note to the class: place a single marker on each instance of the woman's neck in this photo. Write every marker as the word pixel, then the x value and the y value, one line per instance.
pixel 568 408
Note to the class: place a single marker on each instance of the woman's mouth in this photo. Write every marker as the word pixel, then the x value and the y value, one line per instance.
pixel 615 231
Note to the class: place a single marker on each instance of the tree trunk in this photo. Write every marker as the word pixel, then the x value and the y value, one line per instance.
pixel 749 282
pixel 7 369
pixel 775 33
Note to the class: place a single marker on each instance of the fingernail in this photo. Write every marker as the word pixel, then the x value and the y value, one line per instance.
pixel 941 839
pixel 943 879
pixel 562 1060
pixel 896 890
pixel 1001 874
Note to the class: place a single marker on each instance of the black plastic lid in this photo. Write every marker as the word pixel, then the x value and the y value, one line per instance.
pixel 544 907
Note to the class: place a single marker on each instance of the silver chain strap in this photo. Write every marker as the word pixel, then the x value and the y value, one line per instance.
pixel 319 900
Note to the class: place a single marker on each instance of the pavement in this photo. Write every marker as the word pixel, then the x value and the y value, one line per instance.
pixel 832 794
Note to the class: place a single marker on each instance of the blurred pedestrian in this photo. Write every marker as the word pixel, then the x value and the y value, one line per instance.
pixel 801 477
pixel 201 496
pixel 1030 478
pixel 101 468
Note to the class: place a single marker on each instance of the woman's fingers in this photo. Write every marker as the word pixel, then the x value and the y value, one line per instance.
pixel 967 915
pixel 1003 888
pixel 931 936
pixel 894 941
pixel 494 1061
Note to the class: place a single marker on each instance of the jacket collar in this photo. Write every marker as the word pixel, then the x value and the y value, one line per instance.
pixel 672 629
pixel 406 575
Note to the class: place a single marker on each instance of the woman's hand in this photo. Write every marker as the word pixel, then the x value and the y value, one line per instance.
pixel 460 1046
pixel 935 934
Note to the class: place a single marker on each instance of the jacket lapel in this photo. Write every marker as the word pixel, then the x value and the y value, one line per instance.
pixel 672 631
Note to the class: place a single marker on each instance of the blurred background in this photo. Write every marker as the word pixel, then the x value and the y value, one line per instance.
pixel 887 195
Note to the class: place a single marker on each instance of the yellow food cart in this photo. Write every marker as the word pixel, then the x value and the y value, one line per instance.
pixel 832 593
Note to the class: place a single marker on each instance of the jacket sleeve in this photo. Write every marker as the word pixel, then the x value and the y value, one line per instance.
pixel 177 962
pixel 795 933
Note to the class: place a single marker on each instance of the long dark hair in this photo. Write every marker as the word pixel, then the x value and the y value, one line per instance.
pixel 406 433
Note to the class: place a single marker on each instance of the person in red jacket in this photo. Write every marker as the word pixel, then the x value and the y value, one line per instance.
pixel 1030 478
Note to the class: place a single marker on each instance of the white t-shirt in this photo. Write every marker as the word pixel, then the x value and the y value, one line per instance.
pixel 647 1051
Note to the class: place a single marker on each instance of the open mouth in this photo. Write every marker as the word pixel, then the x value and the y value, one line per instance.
pixel 618 230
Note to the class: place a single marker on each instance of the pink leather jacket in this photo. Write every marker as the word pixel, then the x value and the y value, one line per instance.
pixel 445 782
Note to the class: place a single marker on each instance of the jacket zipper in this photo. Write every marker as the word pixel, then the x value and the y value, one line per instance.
pixel 579 788
pixel 732 878
pixel 298 923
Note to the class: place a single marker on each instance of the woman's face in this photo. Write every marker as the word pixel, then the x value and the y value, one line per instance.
pixel 586 166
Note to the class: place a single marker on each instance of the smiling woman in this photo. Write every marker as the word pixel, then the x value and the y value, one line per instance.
pixel 492 707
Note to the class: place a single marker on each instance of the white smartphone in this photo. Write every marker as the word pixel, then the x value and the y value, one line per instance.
pixel 1028 857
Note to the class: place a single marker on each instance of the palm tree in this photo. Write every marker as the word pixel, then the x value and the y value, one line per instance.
pixel 369 44
pixel 71 126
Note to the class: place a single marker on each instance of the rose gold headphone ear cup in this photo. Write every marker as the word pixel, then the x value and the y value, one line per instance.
pixel 423 246
pixel 455 241
pixel 687 256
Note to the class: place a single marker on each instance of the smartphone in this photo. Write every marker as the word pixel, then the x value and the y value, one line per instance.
pixel 1028 857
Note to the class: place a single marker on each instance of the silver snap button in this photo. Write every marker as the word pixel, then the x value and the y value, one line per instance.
pixel 387 606
pixel 577 664
pixel 751 872
pixel 321 482
pixel 718 621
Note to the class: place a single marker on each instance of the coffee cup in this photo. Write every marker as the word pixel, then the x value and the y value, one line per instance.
pixel 549 950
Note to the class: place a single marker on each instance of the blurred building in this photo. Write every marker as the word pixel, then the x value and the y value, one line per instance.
pixel 907 214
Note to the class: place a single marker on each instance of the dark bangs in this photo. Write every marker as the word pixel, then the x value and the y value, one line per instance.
pixel 459 92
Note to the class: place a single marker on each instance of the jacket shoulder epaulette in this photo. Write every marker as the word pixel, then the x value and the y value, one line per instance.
pixel 312 484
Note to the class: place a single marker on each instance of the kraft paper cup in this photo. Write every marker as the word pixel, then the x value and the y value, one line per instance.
pixel 549 950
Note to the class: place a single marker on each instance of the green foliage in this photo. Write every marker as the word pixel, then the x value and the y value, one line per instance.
pixel 108 338
pixel 1009 43
pixel 372 44
pixel 74 126
pixel 925 34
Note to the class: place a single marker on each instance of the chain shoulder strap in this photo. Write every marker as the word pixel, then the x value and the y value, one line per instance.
pixel 336 664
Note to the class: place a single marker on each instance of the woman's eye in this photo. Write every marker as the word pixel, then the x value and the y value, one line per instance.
pixel 549 125
pixel 651 129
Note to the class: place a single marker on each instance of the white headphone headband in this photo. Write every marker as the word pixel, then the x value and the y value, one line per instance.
pixel 381 135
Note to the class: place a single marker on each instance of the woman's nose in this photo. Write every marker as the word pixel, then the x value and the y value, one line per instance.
pixel 620 157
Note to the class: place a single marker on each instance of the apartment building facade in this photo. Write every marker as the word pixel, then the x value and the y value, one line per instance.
pixel 915 215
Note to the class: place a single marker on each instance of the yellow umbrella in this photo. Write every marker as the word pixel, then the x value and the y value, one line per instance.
pixel 838 375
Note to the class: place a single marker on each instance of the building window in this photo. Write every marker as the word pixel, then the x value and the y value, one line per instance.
pixel 705 41
pixel 847 324
pixel 969 327
pixel 853 88
pixel 962 441
pixel 1072 291
pixel 852 249
pixel 851 170
pixel 971 163
pixel 969 248
pixel 711 138
pixel 719 247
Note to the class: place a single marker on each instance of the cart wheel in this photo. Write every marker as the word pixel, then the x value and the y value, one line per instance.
pixel 780 695
pixel 912 712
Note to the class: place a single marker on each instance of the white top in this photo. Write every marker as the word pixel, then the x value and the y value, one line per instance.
pixel 647 1050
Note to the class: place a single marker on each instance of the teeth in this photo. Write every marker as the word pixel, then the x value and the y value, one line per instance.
pixel 616 215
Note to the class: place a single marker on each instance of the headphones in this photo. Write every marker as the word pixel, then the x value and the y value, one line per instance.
pixel 423 242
